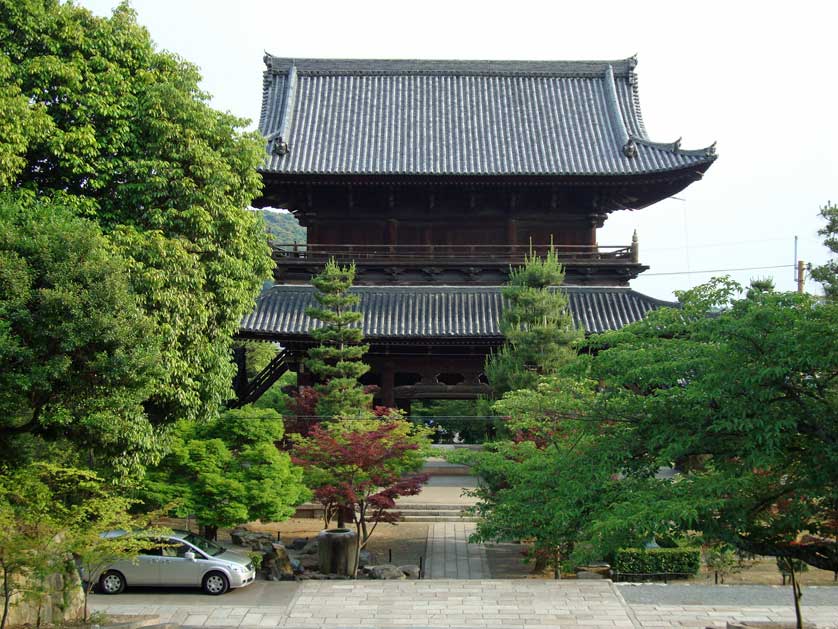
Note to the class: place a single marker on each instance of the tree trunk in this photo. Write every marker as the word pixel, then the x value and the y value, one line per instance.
pixel 540 563
pixel 557 564
pixel 795 588
pixel 7 595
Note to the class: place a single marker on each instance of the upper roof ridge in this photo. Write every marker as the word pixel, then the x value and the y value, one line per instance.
pixel 621 67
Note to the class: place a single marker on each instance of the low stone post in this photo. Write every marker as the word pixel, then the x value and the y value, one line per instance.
pixel 336 550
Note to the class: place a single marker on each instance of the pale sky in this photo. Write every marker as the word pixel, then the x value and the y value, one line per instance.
pixel 757 77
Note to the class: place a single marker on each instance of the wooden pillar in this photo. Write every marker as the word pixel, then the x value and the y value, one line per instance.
pixel 240 380
pixel 512 235
pixel 388 377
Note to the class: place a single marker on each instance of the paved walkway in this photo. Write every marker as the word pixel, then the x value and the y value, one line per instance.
pixel 444 604
pixel 450 556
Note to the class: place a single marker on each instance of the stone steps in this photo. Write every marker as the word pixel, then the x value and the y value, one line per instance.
pixel 438 518
pixel 434 513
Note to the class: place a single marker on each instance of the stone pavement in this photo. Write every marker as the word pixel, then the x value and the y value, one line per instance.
pixel 458 603
pixel 511 604
pixel 450 556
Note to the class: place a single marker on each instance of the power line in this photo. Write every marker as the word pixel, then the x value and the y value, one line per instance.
pixel 746 268
pixel 724 244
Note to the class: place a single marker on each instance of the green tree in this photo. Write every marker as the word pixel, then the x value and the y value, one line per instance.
pixel 537 326
pixel 53 517
pixel 744 403
pixel 738 394
pixel 78 353
pixel 228 471
pixel 284 228
pixel 827 274
pixel 337 360
pixel 101 120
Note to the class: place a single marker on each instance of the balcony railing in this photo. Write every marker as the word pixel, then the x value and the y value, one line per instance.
pixel 405 254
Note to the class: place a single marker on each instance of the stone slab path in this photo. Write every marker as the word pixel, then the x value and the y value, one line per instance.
pixel 458 603
pixel 446 604
pixel 450 556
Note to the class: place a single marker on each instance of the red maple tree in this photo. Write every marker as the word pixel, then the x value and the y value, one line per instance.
pixel 357 470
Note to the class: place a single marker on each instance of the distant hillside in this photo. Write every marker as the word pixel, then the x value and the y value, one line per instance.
pixel 284 227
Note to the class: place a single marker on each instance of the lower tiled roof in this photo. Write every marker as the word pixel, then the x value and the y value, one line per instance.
pixel 439 311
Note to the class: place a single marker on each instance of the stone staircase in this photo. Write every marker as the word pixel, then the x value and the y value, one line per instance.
pixel 434 512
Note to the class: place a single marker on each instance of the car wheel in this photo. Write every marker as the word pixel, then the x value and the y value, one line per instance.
pixel 215 583
pixel 111 582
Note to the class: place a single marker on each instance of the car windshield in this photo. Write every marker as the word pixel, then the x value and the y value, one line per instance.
pixel 210 548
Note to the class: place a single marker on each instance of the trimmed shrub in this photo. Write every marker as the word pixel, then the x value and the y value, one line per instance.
pixel 658 561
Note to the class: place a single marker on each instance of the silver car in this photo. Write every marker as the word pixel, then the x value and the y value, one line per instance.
pixel 186 560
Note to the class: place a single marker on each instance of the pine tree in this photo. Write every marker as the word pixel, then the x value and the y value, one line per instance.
pixel 827 273
pixel 336 361
pixel 536 322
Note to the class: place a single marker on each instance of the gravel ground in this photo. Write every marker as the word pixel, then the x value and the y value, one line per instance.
pixel 406 540
pixel 723 595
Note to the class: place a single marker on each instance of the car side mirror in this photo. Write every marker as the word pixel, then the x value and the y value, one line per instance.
pixel 189 555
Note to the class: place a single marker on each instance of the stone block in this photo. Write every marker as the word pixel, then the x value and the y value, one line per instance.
pixel 386 571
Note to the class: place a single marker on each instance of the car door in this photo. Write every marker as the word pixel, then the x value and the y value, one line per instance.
pixel 144 569
pixel 176 569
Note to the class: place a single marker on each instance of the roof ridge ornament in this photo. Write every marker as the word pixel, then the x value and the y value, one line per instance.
pixel 279 138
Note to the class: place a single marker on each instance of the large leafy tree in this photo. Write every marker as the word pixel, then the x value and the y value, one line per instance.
pixel 78 353
pixel 95 116
pixel 538 330
pixel 228 471
pixel 738 394
pixel 337 359
pixel 52 521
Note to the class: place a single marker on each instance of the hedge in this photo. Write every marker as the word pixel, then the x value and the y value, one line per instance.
pixel 657 561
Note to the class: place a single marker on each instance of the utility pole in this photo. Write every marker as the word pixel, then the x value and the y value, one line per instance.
pixel 801 274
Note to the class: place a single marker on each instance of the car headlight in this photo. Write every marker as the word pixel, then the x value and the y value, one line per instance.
pixel 238 569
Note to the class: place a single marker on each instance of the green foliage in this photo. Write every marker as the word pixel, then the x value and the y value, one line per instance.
pixel 673 561
pixel 49 513
pixel 827 274
pixel 544 491
pixel 337 360
pixel 743 402
pixel 723 560
pixel 786 566
pixel 228 471
pixel 94 116
pixel 257 356
pixel 283 227
pixel 537 326
pixel 464 418
pixel 738 394
pixel 78 354
pixel 274 398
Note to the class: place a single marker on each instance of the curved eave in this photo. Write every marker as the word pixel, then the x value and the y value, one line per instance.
pixel 698 167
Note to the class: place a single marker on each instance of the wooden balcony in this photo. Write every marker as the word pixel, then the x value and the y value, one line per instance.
pixel 440 254
pixel 454 264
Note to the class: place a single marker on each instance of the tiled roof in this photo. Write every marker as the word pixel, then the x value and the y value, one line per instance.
pixel 439 311
pixel 536 118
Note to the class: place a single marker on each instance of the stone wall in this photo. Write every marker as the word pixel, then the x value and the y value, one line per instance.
pixel 63 602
